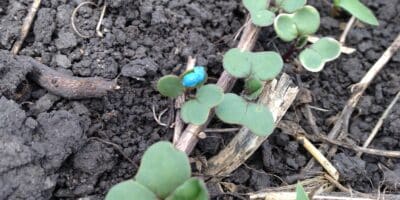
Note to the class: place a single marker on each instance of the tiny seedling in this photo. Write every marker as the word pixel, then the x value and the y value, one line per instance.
pixel 324 50
pixel 303 22
pixel 260 15
pixel 358 10
pixel 164 174
pixel 235 110
pixel 301 194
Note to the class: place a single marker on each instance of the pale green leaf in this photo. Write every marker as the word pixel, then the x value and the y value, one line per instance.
pixel 236 63
pixel 285 27
pixel 194 112
pixel 255 5
pixel 327 48
pixel 311 60
pixel 291 6
pixel 266 65
pixel 231 110
pixel 262 18
pixel 192 189
pixel 301 193
pixel 358 10
pixel 210 95
pixel 259 119
pixel 307 20
pixel 170 86
pixel 129 190
pixel 163 169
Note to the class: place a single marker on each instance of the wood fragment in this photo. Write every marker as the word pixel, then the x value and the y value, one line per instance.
pixel 325 196
pixel 278 96
pixel 98 27
pixel 292 128
pixel 379 123
pixel 346 31
pixel 317 155
pixel 67 86
pixel 26 26
pixel 191 62
pixel 189 139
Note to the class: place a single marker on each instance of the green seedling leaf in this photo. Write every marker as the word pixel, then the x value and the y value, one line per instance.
pixel 253 88
pixel 236 63
pixel 128 189
pixel 285 27
pixel 170 86
pixel 163 169
pixel 301 193
pixel 193 189
pixel 194 112
pixel 210 95
pixel 259 119
pixel 231 110
pixel 266 65
pixel 291 6
pixel 327 48
pixel 307 20
pixel 262 18
pixel 311 60
pixel 255 5
pixel 358 10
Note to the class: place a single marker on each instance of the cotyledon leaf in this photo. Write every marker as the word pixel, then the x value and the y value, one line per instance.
pixel 210 95
pixel 128 189
pixel 236 63
pixel 291 6
pixel 163 168
pixel 194 112
pixel 358 10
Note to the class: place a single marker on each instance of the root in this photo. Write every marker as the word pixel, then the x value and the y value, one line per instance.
pixel 70 87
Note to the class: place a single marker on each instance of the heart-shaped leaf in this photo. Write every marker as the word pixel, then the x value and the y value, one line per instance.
pixel 285 27
pixel 170 86
pixel 259 119
pixel 291 5
pixel 301 193
pixel 163 169
pixel 262 18
pixel 255 5
pixel 231 110
pixel 128 189
pixel 307 20
pixel 236 63
pixel 358 10
pixel 266 65
pixel 311 60
pixel 192 189
pixel 327 48
pixel 194 112
pixel 210 95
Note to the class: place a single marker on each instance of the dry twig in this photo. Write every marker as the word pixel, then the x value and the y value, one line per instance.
pixel 103 11
pixel 26 26
pixel 191 62
pixel 380 123
pixel 346 31
pixel 341 125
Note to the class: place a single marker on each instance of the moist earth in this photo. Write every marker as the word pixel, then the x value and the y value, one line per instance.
pixel 53 148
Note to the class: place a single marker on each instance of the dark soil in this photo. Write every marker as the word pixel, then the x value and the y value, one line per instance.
pixel 53 148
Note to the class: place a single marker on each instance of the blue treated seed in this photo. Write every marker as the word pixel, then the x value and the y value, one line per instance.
pixel 194 78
